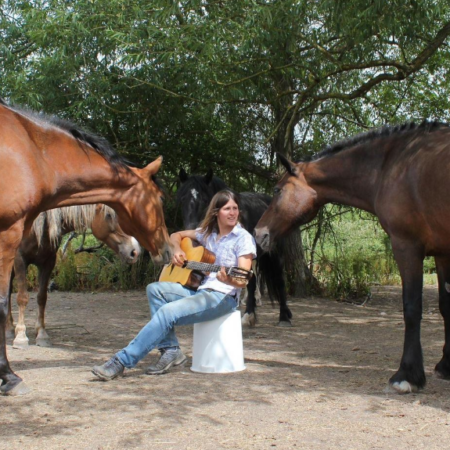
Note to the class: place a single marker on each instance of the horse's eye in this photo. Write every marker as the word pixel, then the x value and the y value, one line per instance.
pixel 276 191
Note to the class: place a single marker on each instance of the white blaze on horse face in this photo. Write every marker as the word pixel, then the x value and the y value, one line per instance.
pixel 136 245
pixel 194 194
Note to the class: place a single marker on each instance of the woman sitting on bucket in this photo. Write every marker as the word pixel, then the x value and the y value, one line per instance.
pixel 173 304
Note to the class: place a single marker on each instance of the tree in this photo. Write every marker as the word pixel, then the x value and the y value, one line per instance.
pixel 227 84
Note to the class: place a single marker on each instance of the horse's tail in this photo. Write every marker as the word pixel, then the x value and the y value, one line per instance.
pixel 270 271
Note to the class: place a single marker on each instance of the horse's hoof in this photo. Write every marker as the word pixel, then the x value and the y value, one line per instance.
pixel 441 375
pixel 284 323
pixel 20 344
pixel 248 320
pixel 404 387
pixel 13 388
pixel 442 369
pixel 43 343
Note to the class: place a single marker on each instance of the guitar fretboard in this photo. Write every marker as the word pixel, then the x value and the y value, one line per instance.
pixel 203 267
pixel 235 272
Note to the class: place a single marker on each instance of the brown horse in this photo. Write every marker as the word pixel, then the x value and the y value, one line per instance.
pixel 48 163
pixel 40 248
pixel 400 174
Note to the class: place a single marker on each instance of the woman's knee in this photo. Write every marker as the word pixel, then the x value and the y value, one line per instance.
pixel 151 290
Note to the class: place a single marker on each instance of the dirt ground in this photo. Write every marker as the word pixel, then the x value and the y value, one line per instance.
pixel 321 384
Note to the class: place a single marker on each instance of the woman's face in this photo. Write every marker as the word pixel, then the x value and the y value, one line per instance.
pixel 228 215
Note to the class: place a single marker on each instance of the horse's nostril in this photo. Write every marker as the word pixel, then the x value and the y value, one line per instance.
pixel 133 253
pixel 263 239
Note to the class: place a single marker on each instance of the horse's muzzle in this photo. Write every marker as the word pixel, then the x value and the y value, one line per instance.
pixel 165 257
pixel 262 238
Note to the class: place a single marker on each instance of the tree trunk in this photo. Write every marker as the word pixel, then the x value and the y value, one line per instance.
pixel 300 281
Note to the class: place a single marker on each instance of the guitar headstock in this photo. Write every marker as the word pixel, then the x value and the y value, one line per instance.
pixel 237 272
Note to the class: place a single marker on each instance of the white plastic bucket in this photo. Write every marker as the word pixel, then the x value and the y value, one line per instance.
pixel 218 346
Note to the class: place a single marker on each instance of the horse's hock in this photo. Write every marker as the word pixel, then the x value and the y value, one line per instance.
pixel 218 346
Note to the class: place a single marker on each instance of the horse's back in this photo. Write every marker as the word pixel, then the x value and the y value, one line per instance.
pixel 412 199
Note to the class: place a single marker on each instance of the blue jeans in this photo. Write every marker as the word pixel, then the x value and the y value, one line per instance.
pixel 173 304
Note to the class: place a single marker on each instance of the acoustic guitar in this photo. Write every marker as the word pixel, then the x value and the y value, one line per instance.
pixel 200 261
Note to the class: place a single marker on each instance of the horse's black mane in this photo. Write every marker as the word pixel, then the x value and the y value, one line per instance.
pixel 98 143
pixel 385 131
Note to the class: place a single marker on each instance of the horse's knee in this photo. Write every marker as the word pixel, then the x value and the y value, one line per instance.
pixel 23 298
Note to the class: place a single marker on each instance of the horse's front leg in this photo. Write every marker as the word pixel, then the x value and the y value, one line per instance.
pixel 443 271
pixel 249 317
pixel 411 375
pixel 45 271
pixel 20 270
pixel 9 242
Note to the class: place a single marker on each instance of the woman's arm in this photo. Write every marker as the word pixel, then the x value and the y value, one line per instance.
pixel 179 257
pixel 244 262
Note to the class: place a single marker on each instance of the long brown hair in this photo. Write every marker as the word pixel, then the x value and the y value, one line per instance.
pixel 209 223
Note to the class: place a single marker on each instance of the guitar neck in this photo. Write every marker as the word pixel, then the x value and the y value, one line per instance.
pixel 203 267
pixel 235 272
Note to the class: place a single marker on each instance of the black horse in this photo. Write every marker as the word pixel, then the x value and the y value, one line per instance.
pixel 195 193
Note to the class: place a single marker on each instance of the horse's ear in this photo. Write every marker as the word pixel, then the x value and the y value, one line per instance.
pixel 183 175
pixel 153 167
pixel 288 165
pixel 209 176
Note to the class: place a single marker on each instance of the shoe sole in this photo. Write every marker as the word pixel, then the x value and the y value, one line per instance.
pixel 168 367
pixel 103 378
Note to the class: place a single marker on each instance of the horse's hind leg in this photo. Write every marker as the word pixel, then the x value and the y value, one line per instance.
pixel 258 294
pixel 9 241
pixel 443 270
pixel 277 287
pixel 9 319
pixel 45 270
pixel 249 317
pixel 20 270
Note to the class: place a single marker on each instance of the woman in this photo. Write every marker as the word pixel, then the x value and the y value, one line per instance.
pixel 173 304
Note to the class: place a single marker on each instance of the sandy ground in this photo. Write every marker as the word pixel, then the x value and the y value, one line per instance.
pixel 321 384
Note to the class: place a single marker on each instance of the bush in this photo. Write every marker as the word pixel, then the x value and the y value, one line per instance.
pixel 101 270
pixel 352 254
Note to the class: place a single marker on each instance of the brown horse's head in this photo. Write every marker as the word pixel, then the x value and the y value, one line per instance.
pixel 141 215
pixel 105 227
pixel 294 203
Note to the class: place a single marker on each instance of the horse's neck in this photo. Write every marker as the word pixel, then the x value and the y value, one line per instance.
pixel 349 177
pixel 89 179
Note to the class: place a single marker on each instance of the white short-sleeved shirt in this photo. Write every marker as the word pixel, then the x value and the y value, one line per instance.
pixel 228 249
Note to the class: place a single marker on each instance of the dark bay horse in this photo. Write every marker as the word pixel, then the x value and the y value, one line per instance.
pixel 400 174
pixel 195 193
pixel 48 163
pixel 40 248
